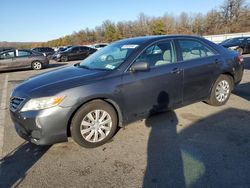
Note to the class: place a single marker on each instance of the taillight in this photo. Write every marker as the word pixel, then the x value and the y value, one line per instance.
pixel 240 59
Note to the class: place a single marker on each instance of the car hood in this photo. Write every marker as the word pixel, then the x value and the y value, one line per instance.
pixel 54 82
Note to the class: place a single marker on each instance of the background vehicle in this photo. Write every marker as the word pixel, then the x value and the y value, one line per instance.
pixel 74 53
pixel 46 51
pixel 6 49
pixel 61 49
pixel 16 59
pixel 147 75
pixel 99 46
pixel 240 44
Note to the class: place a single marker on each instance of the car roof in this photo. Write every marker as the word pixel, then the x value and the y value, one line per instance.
pixel 143 39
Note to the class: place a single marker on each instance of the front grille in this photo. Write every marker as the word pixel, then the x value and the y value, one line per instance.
pixel 15 102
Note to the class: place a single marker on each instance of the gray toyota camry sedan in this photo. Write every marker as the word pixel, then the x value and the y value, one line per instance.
pixel 125 81
pixel 17 59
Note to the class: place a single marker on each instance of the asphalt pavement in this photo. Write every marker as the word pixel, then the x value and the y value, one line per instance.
pixel 194 146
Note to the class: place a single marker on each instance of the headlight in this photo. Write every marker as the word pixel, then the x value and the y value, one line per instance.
pixel 58 55
pixel 42 103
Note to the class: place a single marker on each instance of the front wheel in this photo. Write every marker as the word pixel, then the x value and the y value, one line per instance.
pixel 221 90
pixel 94 124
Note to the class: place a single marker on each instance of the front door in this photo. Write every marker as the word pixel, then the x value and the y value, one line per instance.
pixel 155 90
pixel 22 59
pixel 6 60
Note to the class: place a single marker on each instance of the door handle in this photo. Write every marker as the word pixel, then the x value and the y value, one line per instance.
pixel 176 71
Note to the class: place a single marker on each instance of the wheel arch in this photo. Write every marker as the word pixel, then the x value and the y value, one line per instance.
pixel 107 100
pixel 223 73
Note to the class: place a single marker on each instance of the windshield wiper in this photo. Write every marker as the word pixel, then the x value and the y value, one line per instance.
pixel 83 66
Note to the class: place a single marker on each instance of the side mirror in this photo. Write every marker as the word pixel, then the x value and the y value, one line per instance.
pixel 139 66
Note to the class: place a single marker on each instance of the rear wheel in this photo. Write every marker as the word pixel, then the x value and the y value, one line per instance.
pixel 94 124
pixel 221 90
pixel 36 65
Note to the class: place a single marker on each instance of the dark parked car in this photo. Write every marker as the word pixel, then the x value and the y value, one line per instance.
pixel 240 44
pixel 16 59
pixel 6 49
pixel 61 49
pixel 74 53
pixel 46 51
pixel 127 80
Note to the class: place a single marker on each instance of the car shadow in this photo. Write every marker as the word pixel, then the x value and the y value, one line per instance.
pixel 15 165
pixel 243 90
pixel 164 162
pixel 54 65
pixel 214 151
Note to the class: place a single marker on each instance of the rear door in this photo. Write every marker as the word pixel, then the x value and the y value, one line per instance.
pixel 23 59
pixel 157 89
pixel 200 65
pixel 6 60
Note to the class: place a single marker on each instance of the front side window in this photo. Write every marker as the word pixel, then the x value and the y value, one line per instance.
pixel 76 49
pixel 7 55
pixel 110 57
pixel 159 54
pixel 191 49
pixel 84 49
pixel 22 53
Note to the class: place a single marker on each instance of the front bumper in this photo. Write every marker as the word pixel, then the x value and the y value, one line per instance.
pixel 44 127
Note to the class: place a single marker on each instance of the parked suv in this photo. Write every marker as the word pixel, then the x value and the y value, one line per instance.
pixel 16 59
pixel 74 53
pixel 127 80
pixel 46 51
pixel 240 44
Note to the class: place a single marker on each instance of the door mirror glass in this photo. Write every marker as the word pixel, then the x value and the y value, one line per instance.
pixel 139 66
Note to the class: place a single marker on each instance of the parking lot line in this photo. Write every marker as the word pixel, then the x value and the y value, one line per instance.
pixel 2 112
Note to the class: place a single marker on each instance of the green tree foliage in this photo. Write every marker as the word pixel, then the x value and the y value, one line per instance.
pixel 158 27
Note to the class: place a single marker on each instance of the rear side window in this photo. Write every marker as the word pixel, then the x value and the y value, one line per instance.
pixel 191 49
pixel 22 53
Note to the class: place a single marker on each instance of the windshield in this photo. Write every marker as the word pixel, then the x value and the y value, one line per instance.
pixel 110 57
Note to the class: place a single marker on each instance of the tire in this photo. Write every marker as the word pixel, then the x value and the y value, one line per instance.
pixel 240 50
pixel 64 58
pixel 86 132
pixel 36 65
pixel 221 91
